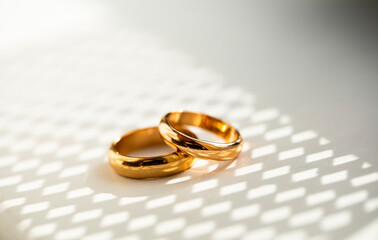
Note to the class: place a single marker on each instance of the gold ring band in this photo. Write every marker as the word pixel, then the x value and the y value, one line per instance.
pixel 145 167
pixel 170 128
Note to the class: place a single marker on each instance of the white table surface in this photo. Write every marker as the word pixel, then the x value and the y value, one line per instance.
pixel 298 83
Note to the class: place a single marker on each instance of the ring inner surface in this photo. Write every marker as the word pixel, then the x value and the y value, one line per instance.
pixel 138 139
pixel 216 126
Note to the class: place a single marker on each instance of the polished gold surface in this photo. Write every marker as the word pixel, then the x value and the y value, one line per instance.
pixel 170 128
pixel 145 167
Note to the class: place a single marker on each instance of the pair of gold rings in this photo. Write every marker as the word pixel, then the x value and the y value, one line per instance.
pixel 173 131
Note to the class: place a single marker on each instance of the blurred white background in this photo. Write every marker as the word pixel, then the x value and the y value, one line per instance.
pixel 314 64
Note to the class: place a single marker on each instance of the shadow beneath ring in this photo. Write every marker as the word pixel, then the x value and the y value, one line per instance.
pixel 102 178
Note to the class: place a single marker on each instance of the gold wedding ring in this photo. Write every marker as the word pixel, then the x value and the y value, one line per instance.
pixel 146 167
pixel 173 130
pixel 170 128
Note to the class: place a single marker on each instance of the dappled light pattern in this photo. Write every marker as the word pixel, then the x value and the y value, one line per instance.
pixel 62 107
